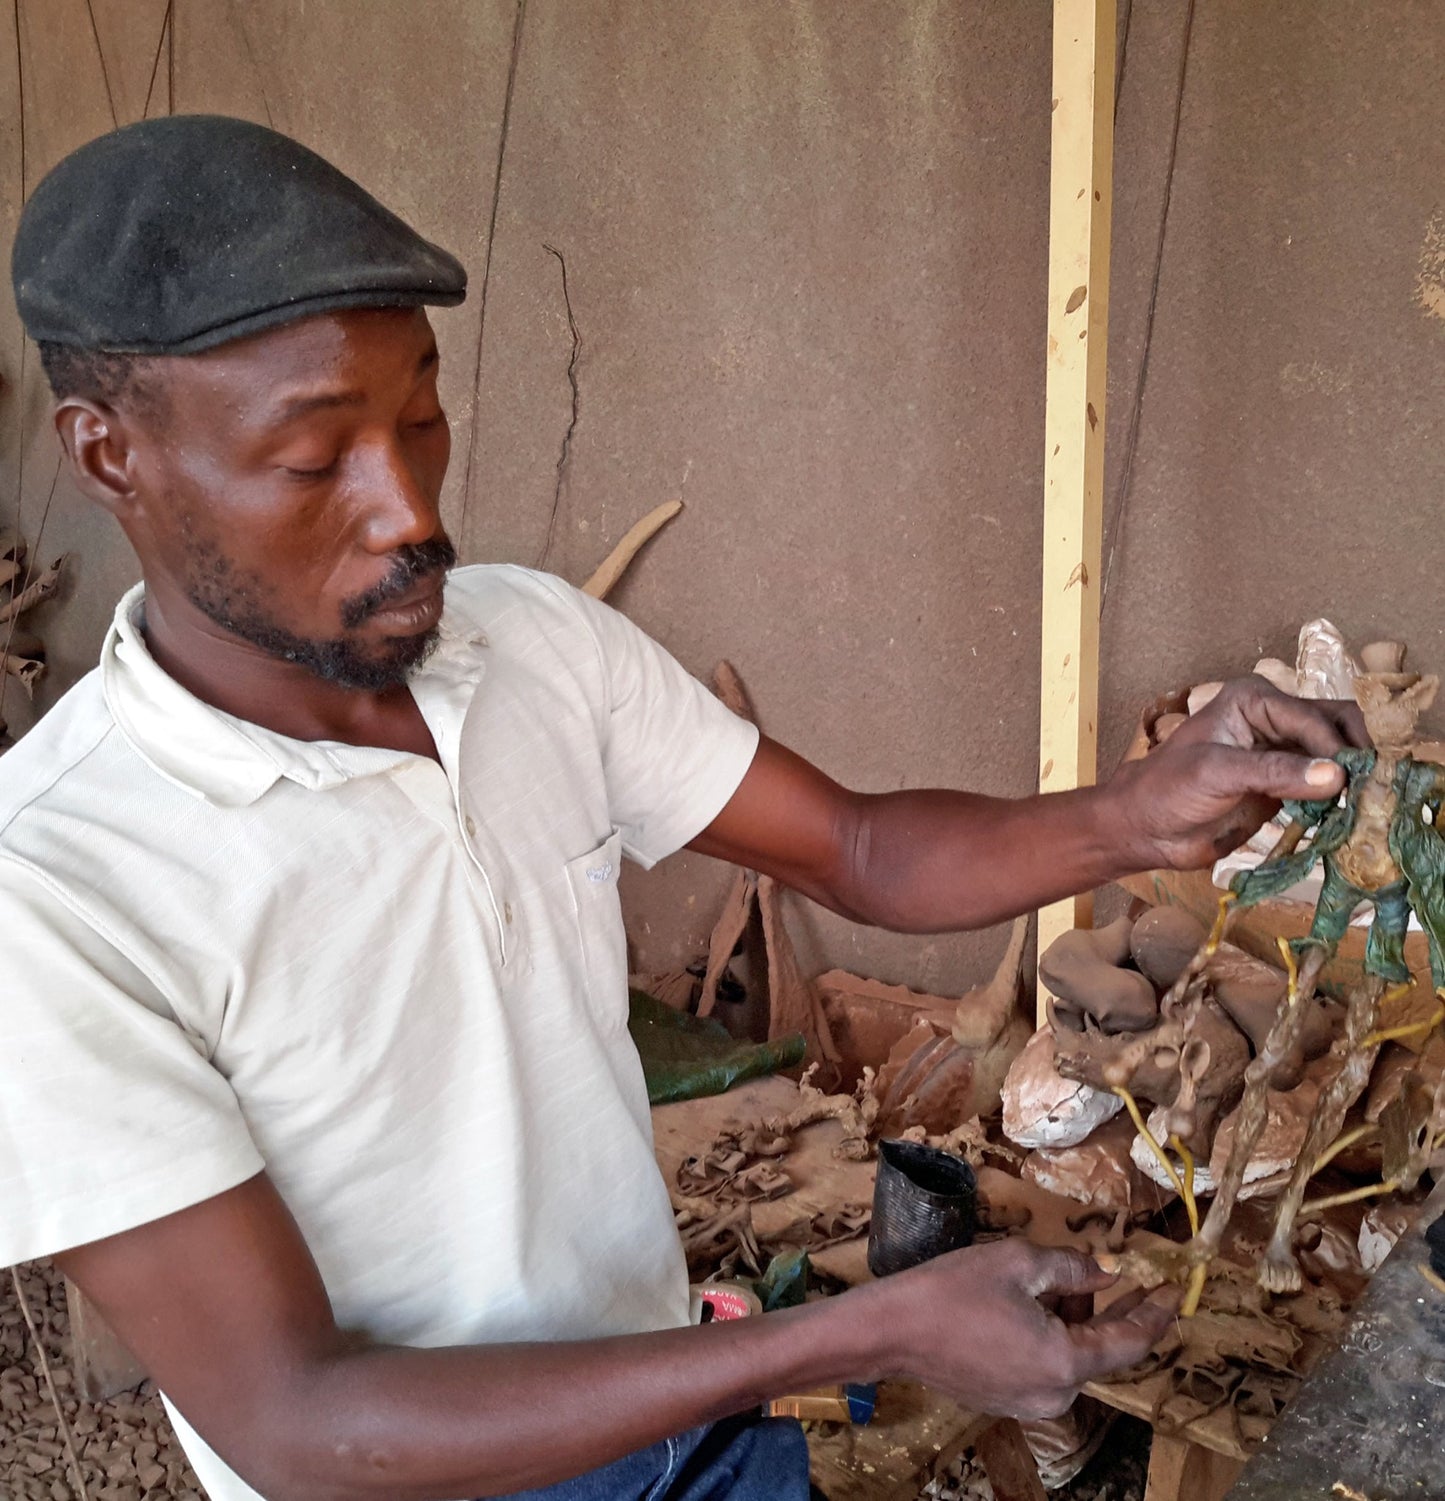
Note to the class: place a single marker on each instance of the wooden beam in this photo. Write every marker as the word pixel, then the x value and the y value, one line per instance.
pixel 1080 203
pixel 1012 1471
pixel 1181 1471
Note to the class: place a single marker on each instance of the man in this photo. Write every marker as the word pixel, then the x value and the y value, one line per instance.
pixel 314 1070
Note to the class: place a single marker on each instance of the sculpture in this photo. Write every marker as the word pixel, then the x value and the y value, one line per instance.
pixel 1378 844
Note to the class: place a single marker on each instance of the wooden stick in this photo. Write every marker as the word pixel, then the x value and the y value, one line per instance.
pixel 1080 204
pixel 44 1360
pixel 601 584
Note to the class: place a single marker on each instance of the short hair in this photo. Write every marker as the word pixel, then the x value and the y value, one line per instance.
pixel 101 375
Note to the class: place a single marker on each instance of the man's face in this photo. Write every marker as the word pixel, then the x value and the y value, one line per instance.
pixel 289 487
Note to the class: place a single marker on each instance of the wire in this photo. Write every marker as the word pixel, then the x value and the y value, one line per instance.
pixel 503 135
pixel 1131 438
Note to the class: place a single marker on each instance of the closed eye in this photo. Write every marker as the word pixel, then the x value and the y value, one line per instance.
pixel 310 474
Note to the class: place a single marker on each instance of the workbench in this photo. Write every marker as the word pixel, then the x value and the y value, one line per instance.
pixel 915 1433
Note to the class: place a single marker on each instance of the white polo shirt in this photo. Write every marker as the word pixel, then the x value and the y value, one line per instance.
pixel 399 987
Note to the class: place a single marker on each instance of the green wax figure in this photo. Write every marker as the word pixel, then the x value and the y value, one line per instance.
pixel 1415 846
pixel 1388 792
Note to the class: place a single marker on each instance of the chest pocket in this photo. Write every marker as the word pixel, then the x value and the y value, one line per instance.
pixel 593 880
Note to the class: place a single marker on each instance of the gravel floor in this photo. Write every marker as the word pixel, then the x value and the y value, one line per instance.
pixel 127 1451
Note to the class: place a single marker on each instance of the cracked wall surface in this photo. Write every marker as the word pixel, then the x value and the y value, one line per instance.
pixel 805 251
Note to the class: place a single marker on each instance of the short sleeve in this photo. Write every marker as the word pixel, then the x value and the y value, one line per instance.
pixel 673 754
pixel 110 1115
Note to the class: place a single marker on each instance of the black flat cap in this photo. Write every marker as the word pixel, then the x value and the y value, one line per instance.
pixel 174 235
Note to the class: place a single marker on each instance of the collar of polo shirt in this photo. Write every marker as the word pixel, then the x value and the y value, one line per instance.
pixel 224 759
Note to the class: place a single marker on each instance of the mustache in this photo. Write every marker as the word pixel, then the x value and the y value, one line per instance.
pixel 408 564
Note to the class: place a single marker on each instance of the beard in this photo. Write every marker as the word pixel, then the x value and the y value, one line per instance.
pixel 236 601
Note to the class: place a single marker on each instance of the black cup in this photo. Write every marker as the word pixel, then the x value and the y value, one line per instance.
pixel 924 1203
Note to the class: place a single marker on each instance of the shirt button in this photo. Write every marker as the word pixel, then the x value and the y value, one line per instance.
pixel 470 825
pixel 507 911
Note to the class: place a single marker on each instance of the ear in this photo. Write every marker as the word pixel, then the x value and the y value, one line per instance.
pixel 100 448
pixel 1423 693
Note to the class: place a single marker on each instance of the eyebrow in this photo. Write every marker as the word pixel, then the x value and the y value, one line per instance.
pixel 297 406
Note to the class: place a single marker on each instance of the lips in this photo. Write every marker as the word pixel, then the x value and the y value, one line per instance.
pixel 418 609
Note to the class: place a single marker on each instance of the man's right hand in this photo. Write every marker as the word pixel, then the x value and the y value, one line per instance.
pixel 225 1307
pixel 972 1324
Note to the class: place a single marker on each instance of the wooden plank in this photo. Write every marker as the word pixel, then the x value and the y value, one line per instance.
pixel 1009 1463
pixel 1219 1431
pixel 1080 202
pixel 1181 1471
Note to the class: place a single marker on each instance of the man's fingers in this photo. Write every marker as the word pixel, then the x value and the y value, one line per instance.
pixel 1322 726
pixel 1114 1341
pixel 1275 774
pixel 1348 720
pixel 1124 1304
pixel 1260 712
pixel 1064 1272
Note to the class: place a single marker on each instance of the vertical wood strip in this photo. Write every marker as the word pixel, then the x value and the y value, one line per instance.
pixel 1181 1471
pixel 1080 203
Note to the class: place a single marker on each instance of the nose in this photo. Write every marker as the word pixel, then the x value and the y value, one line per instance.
pixel 398 506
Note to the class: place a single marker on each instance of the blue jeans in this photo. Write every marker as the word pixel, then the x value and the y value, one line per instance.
pixel 739 1459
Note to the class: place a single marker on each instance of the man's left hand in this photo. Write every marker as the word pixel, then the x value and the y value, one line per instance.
pixel 1224 772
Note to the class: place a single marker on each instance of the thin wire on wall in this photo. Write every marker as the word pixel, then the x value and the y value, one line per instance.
pixel 1131 438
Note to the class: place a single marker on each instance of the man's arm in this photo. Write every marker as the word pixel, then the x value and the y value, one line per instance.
pixel 933 861
pixel 224 1306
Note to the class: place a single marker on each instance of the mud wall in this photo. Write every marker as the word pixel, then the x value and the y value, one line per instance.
pixel 806 257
